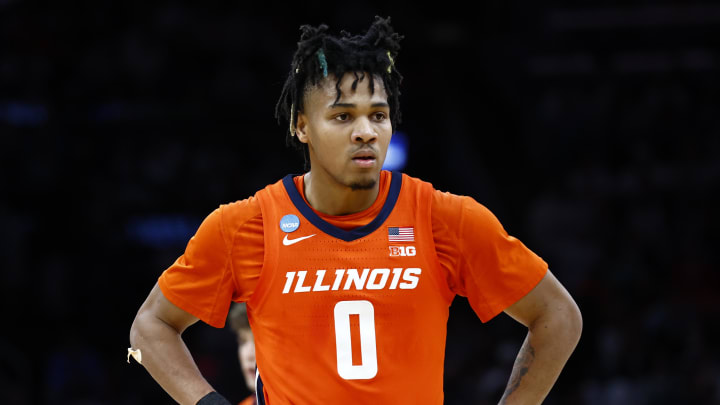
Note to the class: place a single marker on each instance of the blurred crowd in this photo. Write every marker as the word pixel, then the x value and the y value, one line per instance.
pixel 592 133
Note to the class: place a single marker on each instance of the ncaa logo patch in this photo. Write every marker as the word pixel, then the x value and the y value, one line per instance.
pixel 289 223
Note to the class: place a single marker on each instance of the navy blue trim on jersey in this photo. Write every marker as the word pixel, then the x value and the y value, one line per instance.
pixel 332 230
pixel 259 394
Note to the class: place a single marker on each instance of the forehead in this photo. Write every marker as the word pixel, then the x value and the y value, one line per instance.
pixel 325 93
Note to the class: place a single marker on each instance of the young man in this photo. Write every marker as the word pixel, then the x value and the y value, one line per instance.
pixel 348 271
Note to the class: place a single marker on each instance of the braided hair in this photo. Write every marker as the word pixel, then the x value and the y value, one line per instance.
pixel 320 54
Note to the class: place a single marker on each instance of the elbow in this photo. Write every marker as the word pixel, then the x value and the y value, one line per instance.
pixel 136 331
pixel 565 323
pixel 574 322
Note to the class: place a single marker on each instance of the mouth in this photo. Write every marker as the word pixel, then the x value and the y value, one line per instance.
pixel 364 158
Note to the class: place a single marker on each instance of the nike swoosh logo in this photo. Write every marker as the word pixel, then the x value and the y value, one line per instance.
pixel 288 242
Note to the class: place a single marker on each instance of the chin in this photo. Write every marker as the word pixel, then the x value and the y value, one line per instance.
pixel 363 186
pixel 365 183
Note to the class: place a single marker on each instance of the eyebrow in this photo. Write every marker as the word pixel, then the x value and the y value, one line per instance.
pixel 350 105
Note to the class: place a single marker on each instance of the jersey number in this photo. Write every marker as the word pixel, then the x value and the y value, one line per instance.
pixel 343 342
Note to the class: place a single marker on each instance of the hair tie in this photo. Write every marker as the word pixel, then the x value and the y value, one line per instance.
pixel 392 62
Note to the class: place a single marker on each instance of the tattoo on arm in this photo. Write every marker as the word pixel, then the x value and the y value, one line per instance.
pixel 520 368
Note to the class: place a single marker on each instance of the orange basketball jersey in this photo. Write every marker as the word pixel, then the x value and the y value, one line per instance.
pixel 351 317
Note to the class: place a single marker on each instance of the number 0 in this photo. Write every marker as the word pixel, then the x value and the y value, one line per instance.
pixel 343 343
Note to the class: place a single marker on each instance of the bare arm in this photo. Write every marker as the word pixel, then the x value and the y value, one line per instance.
pixel 554 326
pixel 156 332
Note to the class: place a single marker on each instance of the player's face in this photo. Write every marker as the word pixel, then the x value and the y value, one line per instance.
pixel 246 354
pixel 347 139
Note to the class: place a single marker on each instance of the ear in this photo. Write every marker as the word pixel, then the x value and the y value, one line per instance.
pixel 301 128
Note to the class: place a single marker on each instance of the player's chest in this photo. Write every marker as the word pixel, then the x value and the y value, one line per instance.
pixel 391 259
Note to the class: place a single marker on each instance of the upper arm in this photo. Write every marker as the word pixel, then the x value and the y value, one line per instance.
pixel 483 262
pixel 221 263
pixel 548 299
pixel 157 307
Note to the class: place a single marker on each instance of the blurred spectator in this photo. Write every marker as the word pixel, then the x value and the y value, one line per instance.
pixel 246 348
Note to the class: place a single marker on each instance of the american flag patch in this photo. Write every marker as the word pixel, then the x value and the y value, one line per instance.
pixel 401 234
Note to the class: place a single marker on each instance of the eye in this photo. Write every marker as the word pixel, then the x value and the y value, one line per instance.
pixel 379 116
pixel 342 117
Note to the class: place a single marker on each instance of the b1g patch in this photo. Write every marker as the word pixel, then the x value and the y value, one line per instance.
pixel 402 251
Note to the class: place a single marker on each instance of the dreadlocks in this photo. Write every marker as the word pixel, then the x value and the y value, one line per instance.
pixel 320 54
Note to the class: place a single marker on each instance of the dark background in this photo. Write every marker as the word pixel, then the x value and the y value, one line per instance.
pixel 591 131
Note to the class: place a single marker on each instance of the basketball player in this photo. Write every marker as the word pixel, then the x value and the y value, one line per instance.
pixel 348 271
pixel 246 348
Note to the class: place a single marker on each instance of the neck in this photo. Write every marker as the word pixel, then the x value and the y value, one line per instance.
pixel 332 198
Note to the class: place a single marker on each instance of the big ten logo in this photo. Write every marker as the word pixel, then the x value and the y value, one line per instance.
pixel 402 251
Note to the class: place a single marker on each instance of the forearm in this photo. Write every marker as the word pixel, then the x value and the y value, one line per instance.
pixel 166 357
pixel 547 347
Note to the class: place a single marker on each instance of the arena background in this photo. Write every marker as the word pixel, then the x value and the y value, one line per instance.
pixel 591 131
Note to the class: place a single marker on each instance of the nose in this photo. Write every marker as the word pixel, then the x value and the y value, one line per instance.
pixel 363 131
